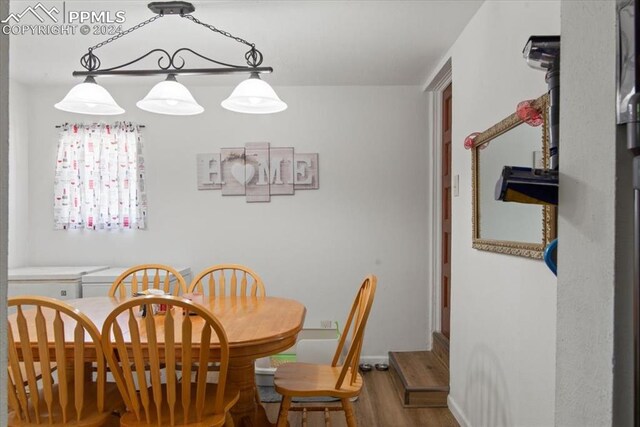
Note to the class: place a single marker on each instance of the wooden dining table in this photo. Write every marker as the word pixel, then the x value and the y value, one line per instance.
pixel 255 327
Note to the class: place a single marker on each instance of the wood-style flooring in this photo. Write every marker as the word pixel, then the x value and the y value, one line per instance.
pixel 421 378
pixel 378 406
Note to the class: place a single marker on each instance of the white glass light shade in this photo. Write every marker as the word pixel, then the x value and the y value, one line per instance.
pixel 254 96
pixel 89 98
pixel 170 97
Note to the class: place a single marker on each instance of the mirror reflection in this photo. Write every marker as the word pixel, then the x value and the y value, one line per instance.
pixel 504 220
pixel 508 227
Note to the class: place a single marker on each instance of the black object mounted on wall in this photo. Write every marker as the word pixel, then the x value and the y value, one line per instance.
pixel 529 185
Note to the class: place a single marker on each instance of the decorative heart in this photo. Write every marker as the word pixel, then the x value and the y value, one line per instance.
pixel 242 173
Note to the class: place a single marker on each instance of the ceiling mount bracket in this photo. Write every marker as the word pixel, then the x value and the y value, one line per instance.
pixel 171 7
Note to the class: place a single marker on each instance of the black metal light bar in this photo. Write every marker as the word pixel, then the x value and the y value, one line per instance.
pixel 91 62
pixel 181 72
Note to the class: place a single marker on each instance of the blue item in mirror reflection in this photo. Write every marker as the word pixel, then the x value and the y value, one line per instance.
pixel 551 256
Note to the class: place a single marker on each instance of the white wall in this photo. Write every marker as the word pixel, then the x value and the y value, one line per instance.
pixel 18 174
pixel 503 314
pixel 594 277
pixel 369 215
pixel 4 201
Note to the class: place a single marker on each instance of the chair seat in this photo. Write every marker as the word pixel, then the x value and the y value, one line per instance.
pixel 231 396
pixel 91 417
pixel 307 379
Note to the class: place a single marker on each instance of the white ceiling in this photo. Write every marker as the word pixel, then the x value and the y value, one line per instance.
pixel 306 42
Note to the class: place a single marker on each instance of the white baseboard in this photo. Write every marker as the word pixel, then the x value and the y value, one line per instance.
pixel 457 412
pixel 374 359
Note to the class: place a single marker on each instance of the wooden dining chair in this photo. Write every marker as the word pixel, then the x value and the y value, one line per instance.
pixel 335 380
pixel 188 334
pixel 37 370
pixel 71 396
pixel 150 280
pixel 238 277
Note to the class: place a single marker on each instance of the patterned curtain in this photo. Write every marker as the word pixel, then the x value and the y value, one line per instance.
pixel 99 181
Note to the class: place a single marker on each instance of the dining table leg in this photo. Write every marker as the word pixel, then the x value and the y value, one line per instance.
pixel 248 412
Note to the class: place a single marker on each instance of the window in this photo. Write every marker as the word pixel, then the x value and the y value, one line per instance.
pixel 99 180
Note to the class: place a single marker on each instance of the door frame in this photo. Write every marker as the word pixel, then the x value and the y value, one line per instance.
pixel 434 90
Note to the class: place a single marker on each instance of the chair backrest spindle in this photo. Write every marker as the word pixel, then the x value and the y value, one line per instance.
pixel 174 333
pixel 355 326
pixel 146 282
pixel 49 349
pixel 238 286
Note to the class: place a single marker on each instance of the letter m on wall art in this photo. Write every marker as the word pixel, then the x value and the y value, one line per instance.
pixel 257 171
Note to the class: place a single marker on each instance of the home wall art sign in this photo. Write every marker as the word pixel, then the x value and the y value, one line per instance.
pixel 257 171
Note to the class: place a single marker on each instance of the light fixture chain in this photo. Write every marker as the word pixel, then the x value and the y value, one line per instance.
pixel 253 56
pixel 219 31
pixel 125 32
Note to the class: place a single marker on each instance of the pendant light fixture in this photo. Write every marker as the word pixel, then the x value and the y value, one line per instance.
pixel 170 97
pixel 253 96
pixel 89 98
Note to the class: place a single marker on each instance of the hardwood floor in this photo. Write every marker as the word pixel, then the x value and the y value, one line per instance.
pixel 378 406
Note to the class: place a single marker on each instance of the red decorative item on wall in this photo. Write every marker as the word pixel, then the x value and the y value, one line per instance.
pixel 469 140
pixel 529 114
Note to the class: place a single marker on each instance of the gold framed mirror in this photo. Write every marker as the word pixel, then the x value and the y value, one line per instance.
pixel 510 228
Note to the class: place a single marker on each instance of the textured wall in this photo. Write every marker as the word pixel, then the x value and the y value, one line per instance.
pixel 594 190
pixel 18 174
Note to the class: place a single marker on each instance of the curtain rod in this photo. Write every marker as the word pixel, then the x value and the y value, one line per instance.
pixel 59 126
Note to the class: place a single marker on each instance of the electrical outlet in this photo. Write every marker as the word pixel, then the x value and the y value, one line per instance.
pixel 326 324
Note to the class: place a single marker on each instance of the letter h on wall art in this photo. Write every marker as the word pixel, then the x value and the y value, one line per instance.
pixel 257 171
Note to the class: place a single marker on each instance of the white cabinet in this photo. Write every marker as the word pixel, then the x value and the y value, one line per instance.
pixel 56 282
pixel 98 284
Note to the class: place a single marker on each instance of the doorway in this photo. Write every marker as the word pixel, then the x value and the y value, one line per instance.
pixel 445 280
pixel 440 93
